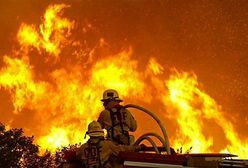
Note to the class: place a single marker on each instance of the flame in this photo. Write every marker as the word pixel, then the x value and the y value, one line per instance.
pixel 72 103
pixel 18 77
pixel 65 98
pixel 155 67
pixel 183 92
pixel 51 35
pixel 192 106
pixel 79 100
pixel 27 35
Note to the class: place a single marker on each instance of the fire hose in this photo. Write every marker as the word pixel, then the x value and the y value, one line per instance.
pixel 149 140
pixel 146 137
pixel 164 141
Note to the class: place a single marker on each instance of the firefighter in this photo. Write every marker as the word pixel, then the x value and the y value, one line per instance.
pixel 99 152
pixel 117 120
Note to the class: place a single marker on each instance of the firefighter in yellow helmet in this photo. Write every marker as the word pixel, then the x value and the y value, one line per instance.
pixel 99 152
pixel 117 120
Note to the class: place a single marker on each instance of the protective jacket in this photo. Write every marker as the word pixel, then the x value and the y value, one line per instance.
pixel 118 122
pixel 99 153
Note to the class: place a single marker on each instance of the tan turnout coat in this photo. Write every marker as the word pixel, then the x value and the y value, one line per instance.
pixel 128 123
pixel 107 150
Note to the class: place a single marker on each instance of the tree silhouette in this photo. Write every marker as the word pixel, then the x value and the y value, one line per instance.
pixel 18 151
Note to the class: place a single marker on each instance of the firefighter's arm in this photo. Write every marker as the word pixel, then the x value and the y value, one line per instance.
pixel 133 123
pixel 101 118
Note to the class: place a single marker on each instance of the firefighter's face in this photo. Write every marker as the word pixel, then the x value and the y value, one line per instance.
pixel 112 104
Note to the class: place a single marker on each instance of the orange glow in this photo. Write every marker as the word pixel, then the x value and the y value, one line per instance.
pixel 73 99
pixel 78 100
pixel 52 33
pixel 192 105
pixel 27 35
pixel 65 96
pixel 17 77
pixel 155 67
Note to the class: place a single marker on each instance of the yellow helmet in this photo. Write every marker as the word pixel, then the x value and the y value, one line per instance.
pixel 95 129
pixel 110 94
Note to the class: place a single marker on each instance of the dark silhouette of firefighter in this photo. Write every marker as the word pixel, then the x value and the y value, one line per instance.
pixel 99 152
pixel 116 119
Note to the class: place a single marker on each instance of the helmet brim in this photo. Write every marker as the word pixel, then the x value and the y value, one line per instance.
pixel 114 99
pixel 95 133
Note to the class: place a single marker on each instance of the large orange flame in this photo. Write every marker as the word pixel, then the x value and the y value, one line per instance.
pixel 192 105
pixel 65 98
pixel 17 77
pixel 51 35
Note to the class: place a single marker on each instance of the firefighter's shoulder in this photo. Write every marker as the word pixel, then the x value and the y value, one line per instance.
pixel 81 148
pixel 104 112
